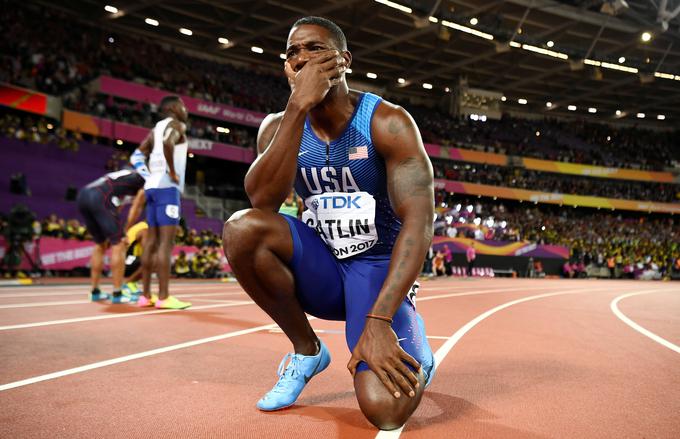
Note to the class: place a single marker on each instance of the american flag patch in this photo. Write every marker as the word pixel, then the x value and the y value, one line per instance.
pixel 358 152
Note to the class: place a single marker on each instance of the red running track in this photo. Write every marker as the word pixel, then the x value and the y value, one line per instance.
pixel 517 359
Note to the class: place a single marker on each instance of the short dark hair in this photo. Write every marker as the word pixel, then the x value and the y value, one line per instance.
pixel 167 101
pixel 337 33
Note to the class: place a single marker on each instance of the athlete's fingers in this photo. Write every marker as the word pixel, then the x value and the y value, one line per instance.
pixel 409 359
pixel 352 365
pixel 332 64
pixel 408 373
pixel 400 379
pixel 288 69
pixel 385 378
pixel 323 56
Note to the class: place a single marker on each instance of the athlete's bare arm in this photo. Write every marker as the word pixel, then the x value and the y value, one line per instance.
pixel 147 145
pixel 174 132
pixel 135 209
pixel 271 177
pixel 410 187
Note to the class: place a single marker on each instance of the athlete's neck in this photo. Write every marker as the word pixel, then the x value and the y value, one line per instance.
pixel 331 116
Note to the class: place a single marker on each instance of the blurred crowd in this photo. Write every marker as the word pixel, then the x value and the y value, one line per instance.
pixel 206 263
pixel 625 240
pixel 39 130
pixel 65 55
pixel 522 178
pixel 146 115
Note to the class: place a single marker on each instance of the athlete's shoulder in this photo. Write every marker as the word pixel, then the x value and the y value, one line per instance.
pixel 267 130
pixel 391 121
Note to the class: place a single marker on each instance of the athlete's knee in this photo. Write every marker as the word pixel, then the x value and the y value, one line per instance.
pixel 381 408
pixel 244 231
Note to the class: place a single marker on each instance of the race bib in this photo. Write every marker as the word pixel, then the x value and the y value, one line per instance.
pixel 344 220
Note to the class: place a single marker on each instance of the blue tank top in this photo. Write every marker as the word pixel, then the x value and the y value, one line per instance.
pixel 350 163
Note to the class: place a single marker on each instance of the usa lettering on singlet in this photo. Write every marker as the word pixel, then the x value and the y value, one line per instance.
pixel 158 166
pixel 344 185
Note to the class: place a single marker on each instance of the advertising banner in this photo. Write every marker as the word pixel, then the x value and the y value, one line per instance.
pixel 143 93
pixel 555 198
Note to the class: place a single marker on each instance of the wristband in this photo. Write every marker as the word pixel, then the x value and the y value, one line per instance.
pixel 377 317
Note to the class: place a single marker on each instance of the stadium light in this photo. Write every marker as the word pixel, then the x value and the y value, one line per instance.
pixel 609 138
pixel 256 49
pixel 223 40
pixel 550 43
pixel 446 89
pixel 427 86
pixel 119 142
pixel 503 98
pixel 474 21
pixel 646 37
pixel 538 133
pixel 661 117
pixel 618 112
pixel 434 19
pixel 522 101
pixel 111 40
pixel 111 9
pixel 622 60
pixel 185 31
pixel 394 5
pixel 401 80
pixel 282 56
pixel 222 130
pixel 191 155
pixel 592 110
pixel 571 108
pixel 151 22
pixel 348 71
pixel 371 75
pixel 641 115
pixel 548 104
pixel 467 30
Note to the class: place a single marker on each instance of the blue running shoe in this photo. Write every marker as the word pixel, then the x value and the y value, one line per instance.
pixel 119 298
pixel 98 296
pixel 429 367
pixel 294 378
pixel 130 292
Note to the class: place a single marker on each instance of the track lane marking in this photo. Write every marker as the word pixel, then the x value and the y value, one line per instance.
pixel 451 341
pixel 113 316
pixel 614 306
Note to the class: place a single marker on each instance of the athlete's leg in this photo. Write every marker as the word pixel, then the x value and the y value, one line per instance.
pixel 163 253
pixel 147 260
pixel 363 280
pixel 117 265
pixel 97 264
pixel 259 247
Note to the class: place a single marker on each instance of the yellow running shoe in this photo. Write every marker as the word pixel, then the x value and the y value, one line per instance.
pixel 172 303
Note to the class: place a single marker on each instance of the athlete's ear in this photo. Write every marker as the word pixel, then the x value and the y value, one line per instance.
pixel 348 58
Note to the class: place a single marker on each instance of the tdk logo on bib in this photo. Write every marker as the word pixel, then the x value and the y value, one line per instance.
pixel 345 221
pixel 340 202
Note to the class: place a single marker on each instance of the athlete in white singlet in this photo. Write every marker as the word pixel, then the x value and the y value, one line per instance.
pixel 166 148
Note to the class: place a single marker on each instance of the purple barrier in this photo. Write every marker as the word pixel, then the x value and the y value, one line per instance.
pixel 502 248
pixel 143 93
pixel 97 126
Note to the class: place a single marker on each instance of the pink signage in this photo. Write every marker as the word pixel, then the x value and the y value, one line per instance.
pixel 67 254
pixel 97 126
pixel 143 93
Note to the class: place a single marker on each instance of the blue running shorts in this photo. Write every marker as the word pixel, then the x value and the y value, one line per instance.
pixel 162 207
pixel 333 289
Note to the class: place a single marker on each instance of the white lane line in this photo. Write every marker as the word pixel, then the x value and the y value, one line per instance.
pixel 80 302
pixel 614 305
pixel 451 341
pixel 63 373
pixel 120 316
pixel 86 292
pixel 113 316
pixel 39 304
pixel 113 361
pixel 437 337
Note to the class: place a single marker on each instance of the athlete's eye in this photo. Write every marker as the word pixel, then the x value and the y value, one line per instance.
pixel 317 47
